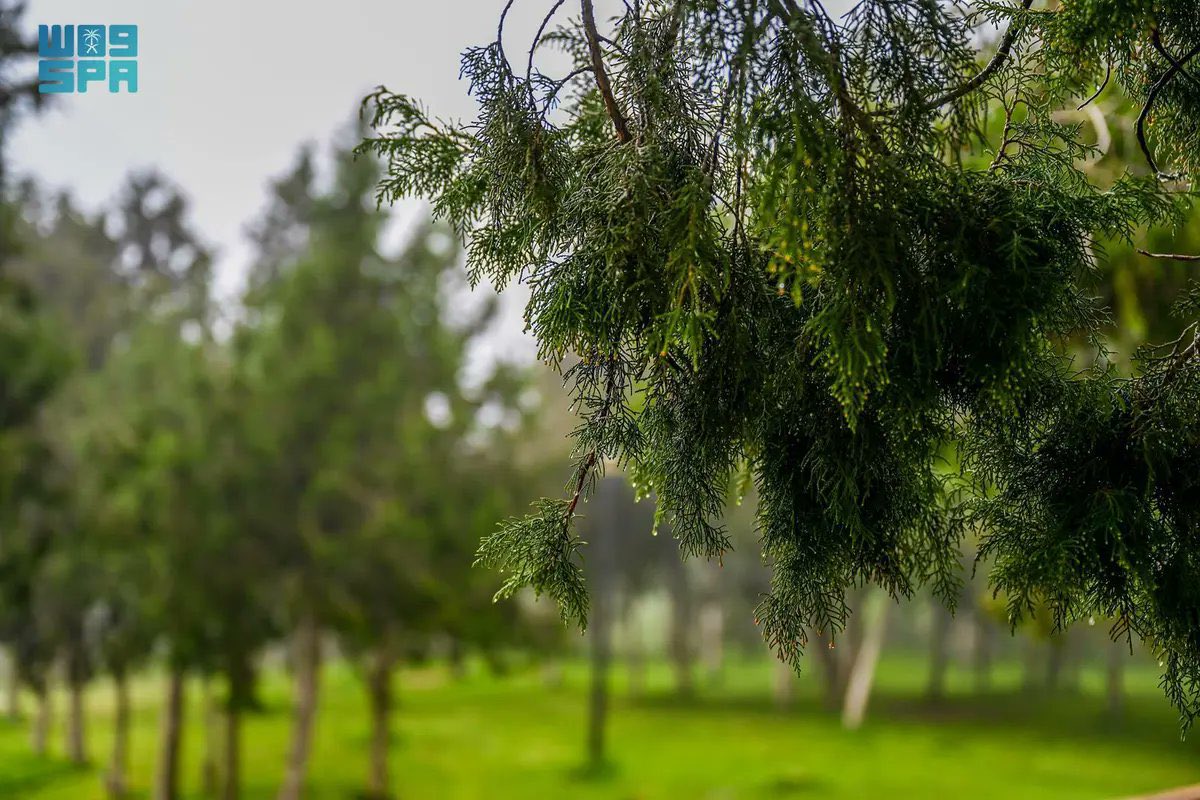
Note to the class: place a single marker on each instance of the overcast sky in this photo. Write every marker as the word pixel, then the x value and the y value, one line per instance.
pixel 229 89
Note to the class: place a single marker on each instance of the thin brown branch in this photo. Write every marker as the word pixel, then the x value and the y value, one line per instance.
pixel 500 34
pixel 537 39
pixel 602 82
pixel 1003 51
pixel 584 469
pixel 611 392
pixel 1170 256
pixel 1159 85
pixel 1099 90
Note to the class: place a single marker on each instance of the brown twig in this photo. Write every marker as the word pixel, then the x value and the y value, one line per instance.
pixel 1170 256
pixel 1164 79
pixel 1007 136
pixel 602 82
pixel 592 458
pixel 1003 50
pixel 1002 53
pixel 537 39
pixel 1101 88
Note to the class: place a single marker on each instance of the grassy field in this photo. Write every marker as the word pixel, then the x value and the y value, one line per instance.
pixel 511 737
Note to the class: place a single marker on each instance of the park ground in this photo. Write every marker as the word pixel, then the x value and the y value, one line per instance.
pixel 485 736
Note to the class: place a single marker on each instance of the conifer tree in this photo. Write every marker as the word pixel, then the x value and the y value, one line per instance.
pixel 788 254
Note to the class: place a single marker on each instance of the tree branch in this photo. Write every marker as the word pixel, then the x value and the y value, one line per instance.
pixel 602 82
pixel 1159 85
pixel 1170 256
pixel 1002 53
pixel 537 39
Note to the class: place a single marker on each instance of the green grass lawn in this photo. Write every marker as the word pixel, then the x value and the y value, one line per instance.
pixel 511 737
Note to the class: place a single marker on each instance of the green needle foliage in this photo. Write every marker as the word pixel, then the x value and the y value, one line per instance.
pixel 785 251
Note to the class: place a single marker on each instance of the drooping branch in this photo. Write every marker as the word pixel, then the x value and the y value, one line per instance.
pixel 1156 39
pixel 815 47
pixel 1176 67
pixel 602 82
pixel 594 457
pixel 537 39
pixel 500 33
pixel 1099 89
pixel 1003 51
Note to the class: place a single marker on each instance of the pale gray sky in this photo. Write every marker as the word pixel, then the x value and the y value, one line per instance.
pixel 229 89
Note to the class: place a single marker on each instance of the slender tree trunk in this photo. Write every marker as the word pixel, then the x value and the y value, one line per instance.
pixel 552 672
pixel 1029 675
pixel 308 667
pixel 379 688
pixel 851 639
pixel 212 721
pixel 1115 679
pixel 783 685
pixel 712 640
pixel 40 729
pixel 1055 661
pixel 12 688
pixel 458 659
pixel 166 783
pixel 1073 658
pixel 76 734
pixel 862 674
pixel 939 651
pixel 598 694
pixel 635 654
pixel 832 671
pixel 612 501
pixel 982 656
pixel 231 773
pixel 115 781
pixel 681 628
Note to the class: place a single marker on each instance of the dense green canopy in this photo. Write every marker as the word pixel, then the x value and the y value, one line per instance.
pixel 787 252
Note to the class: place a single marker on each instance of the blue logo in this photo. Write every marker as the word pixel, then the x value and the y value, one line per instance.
pixel 74 58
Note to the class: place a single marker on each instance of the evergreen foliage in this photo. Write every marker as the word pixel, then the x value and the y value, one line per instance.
pixel 786 251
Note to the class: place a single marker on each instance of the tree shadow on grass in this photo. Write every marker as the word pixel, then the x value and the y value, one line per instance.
pixel 1069 716
pixel 25 777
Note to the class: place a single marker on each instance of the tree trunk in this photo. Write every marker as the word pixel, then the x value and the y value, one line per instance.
pixel 231 773
pixel 681 628
pixel 212 720
pixel 939 651
pixel 636 662
pixel 598 694
pixel 862 673
pixel 1115 679
pixel 712 640
pixel 1029 672
pixel 1055 661
pixel 783 686
pixel 552 672
pixel 13 688
pixel 308 666
pixel 612 502
pixel 832 671
pixel 40 730
pixel 76 738
pixel 982 656
pixel 115 781
pixel 458 659
pixel 166 783
pixel 379 688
